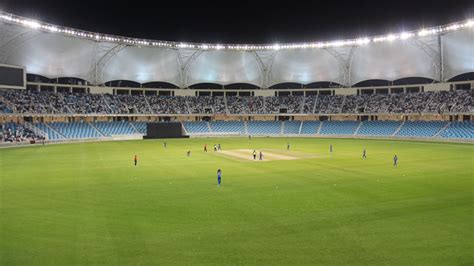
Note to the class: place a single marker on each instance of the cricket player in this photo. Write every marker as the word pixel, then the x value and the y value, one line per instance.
pixel 219 177
pixel 364 155
pixel 135 159
pixel 395 160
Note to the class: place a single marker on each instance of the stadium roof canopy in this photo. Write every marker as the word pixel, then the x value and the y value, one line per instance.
pixel 437 53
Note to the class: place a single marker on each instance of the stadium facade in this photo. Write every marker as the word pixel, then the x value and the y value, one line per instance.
pixel 433 62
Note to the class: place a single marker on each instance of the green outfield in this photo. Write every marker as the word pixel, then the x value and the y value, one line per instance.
pixel 87 204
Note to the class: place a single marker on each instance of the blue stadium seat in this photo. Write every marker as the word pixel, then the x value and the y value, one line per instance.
pixel 4 108
pixel 115 128
pixel 11 126
pixel 264 127
pixel 140 126
pixel 459 130
pixel 228 127
pixel 292 127
pixel 79 130
pixel 420 128
pixel 52 135
pixel 310 127
pixel 75 130
pixel 378 128
pixel 196 127
pixel 339 127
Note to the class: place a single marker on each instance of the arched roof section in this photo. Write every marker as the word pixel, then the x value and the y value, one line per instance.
pixel 391 61
pixel 287 85
pixel 224 67
pixel 323 84
pixel 51 55
pixel 123 83
pixel 206 85
pixel 458 52
pixel 413 80
pixel 159 84
pixel 244 86
pixel 305 66
pixel 372 83
pixel 143 64
pixel 463 77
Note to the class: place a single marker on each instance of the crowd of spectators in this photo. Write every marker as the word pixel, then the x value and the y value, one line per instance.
pixel 127 104
pixel 206 104
pixel 168 104
pixel 11 132
pixel 288 104
pixel 421 102
pixel 309 102
pixel 73 103
pixel 329 104
pixel 246 104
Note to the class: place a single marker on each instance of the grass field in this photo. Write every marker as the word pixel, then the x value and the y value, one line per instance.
pixel 87 203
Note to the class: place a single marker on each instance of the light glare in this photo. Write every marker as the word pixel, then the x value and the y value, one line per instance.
pixel 360 41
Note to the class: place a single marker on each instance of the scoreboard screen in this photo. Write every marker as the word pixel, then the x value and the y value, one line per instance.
pixel 12 77
pixel 164 130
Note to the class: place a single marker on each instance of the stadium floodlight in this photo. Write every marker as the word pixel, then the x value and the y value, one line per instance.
pixel 453 27
pixel 423 33
pixel 51 28
pixel 391 37
pixel 406 35
pixel 10 18
pixel 5 17
pixel 362 41
pixel 336 43
pixel 378 39
pixel 32 24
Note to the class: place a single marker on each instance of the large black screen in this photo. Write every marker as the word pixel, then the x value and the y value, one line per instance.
pixel 10 76
pixel 164 130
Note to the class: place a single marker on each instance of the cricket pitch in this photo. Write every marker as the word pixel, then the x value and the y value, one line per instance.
pixel 268 155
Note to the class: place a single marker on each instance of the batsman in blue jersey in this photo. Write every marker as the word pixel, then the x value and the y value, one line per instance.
pixel 219 177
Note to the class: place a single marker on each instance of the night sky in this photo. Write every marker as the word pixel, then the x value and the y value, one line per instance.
pixel 244 22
